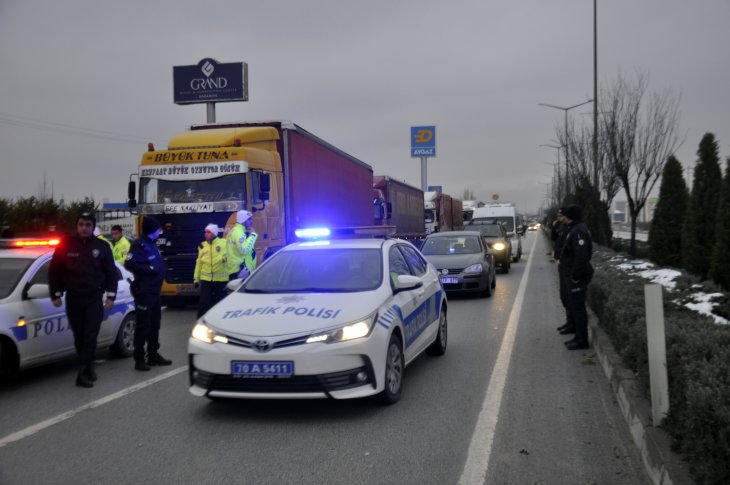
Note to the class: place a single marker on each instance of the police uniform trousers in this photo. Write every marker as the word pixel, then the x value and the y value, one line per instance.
pixel 147 330
pixel 565 298
pixel 211 292
pixel 85 313
pixel 577 309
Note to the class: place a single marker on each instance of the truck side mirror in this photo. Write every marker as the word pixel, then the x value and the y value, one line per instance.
pixel 390 210
pixel 131 194
pixel 260 185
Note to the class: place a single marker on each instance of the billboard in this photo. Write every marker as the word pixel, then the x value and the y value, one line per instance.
pixel 423 141
pixel 210 82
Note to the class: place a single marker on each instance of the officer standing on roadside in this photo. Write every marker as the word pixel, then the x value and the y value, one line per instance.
pixel 575 265
pixel 145 262
pixel 211 269
pixel 120 244
pixel 558 233
pixel 240 242
pixel 83 267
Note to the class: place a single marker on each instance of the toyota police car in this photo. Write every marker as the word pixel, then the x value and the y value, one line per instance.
pixel 32 330
pixel 338 318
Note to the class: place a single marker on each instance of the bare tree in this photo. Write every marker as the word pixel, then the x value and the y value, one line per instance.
pixel 638 141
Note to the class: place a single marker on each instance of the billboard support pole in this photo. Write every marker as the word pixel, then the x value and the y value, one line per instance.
pixel 210 110
pixel 424 173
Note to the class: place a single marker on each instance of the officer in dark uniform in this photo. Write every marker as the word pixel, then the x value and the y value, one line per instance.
pixel 145 262
pixel 575 264
pixel 557 235
pixel 83 267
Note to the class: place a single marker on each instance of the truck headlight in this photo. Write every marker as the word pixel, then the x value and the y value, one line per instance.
pixel 474 269
pixel 204 333
pixel 350 331
pixel 499 246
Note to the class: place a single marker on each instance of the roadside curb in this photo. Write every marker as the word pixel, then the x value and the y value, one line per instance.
pixel 663 466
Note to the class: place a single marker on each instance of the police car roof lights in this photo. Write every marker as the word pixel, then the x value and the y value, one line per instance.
pixel 29 243
pixel 345 232
pixel 312 232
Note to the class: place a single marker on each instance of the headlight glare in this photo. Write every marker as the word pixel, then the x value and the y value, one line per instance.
pixel 499 246
pixel 206 334
pixel 352 331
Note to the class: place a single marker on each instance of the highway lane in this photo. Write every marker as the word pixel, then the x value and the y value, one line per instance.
pixel 557 422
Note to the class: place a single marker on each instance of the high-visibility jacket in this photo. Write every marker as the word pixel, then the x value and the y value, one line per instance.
pixel 120 249
pixel 241 249
pixel 101 236
pixel 212 263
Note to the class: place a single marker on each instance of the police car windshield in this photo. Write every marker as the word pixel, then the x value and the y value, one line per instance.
pixel 317 271
pixel 11 270
pixel 445 245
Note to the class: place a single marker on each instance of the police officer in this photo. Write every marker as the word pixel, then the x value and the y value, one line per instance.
pixel 99 235
pixel 557 235
pixel 145 262
pixel 240 242
pixel 83 267
pixel 120 244
pixel 211 269
pixel 575 265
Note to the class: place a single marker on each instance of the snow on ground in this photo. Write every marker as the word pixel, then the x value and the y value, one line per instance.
pixel 703 305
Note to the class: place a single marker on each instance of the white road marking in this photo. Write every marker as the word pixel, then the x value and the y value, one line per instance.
pixel 480 448
pixel 31 430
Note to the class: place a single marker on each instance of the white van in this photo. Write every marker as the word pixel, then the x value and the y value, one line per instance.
pixel 507 215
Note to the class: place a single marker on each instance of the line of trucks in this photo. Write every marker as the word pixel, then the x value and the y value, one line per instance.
pixel 286 176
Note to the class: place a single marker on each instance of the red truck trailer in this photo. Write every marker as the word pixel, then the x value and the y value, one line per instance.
pixel 398 204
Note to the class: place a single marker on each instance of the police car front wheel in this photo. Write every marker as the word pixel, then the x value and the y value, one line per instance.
pixel 124 343
pixel 394 371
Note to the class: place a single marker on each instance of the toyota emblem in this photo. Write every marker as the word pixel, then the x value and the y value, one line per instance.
pixel 262 345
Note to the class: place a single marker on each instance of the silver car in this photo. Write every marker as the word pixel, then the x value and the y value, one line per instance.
pixel 33 331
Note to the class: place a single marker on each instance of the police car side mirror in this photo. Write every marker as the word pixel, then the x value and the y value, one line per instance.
pixel 408 282
pixel 234 285
pixel 36 291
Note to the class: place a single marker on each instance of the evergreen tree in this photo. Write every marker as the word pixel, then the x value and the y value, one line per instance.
pixel 665 234
pixel 720 268
pixel 698 235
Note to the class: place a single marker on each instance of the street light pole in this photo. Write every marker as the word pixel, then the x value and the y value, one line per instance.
pixel 595 97
pixel 565 177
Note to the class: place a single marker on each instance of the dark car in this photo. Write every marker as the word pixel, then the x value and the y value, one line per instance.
pixel 463 260
pixel 495 235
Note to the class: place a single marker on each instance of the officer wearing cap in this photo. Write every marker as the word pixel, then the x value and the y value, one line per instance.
pixel 145 262
pixel 575 266
pixel 211 269
pixel 83 268
pixel 240 241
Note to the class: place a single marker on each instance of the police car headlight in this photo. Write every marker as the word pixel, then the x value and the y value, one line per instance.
pixel 351 331
pixel 206 334
pixel 474 268
pixel 499 246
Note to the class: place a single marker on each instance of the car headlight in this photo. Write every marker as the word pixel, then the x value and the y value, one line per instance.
pixel 499 246
pixel 204 333
pixel 350 331
pixel 474 268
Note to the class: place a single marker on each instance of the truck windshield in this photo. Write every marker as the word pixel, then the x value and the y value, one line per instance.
pixel 430 215
pixel 157 191
pixel 508 221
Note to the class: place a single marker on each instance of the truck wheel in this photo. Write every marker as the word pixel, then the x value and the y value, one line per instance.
pixel 394 371
pixel 124 343
pixel 438 347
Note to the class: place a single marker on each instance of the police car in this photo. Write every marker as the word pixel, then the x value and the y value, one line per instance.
pixel 33 331
pixel 325 318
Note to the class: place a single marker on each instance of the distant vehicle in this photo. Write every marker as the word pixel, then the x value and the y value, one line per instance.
pixel 442 212
pixel 398 204
pixel 495 235
pixel 322 319
pixel 507 214
pixel 463 260
pixel 468 207
pixel 33 331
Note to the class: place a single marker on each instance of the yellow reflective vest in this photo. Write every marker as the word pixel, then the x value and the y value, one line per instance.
pixel 241 249
pixel 120 249
pixel 212 263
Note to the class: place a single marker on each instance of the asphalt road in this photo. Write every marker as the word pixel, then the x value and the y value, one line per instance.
pixel 506 404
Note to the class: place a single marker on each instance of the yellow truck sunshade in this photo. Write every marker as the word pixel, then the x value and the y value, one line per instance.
pixel 226 137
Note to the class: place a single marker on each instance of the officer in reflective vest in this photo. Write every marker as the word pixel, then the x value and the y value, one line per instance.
pixel 120 244
pixel 211 269
pixel 241 241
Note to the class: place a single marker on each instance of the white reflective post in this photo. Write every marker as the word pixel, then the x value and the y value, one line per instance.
pixel 657 347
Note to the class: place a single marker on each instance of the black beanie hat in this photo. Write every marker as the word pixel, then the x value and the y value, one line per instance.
pixel 149 226
pixel 572 212
pixel 88 217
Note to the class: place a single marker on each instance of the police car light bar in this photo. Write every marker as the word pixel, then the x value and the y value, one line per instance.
pixel 312 232
pixel 345 232
pixel 25 243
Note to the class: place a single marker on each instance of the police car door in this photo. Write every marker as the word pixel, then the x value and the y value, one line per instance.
pixel 430 298
pixel 406 303
pixel 48 333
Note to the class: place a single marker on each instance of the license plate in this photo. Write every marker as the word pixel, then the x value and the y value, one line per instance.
pixel 448 280
pixel 247 368
pixel 186 289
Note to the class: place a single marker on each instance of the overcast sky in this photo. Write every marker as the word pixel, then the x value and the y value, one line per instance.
pixel 358 74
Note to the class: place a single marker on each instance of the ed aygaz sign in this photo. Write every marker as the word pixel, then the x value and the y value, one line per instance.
pixel 210 82
pixel 423 141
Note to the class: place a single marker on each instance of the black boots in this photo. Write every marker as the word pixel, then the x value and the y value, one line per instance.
pixel 157 359
pixel 86 377
pixel 141 364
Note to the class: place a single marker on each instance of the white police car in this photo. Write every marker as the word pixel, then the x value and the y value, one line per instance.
pixel 324 318
pixel 33 331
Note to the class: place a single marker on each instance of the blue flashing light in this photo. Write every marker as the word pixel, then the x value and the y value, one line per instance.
pixel 312 232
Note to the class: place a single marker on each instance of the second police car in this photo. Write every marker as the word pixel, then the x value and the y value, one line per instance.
pixel 337 318
pixel 33 331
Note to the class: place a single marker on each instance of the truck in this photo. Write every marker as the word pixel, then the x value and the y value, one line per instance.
pixel 398 204
pixel 286 176
pixel 442 212
pixel 504 213
pixel 469 206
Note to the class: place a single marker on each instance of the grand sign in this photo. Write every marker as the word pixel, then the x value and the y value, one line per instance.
pixel 210 82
